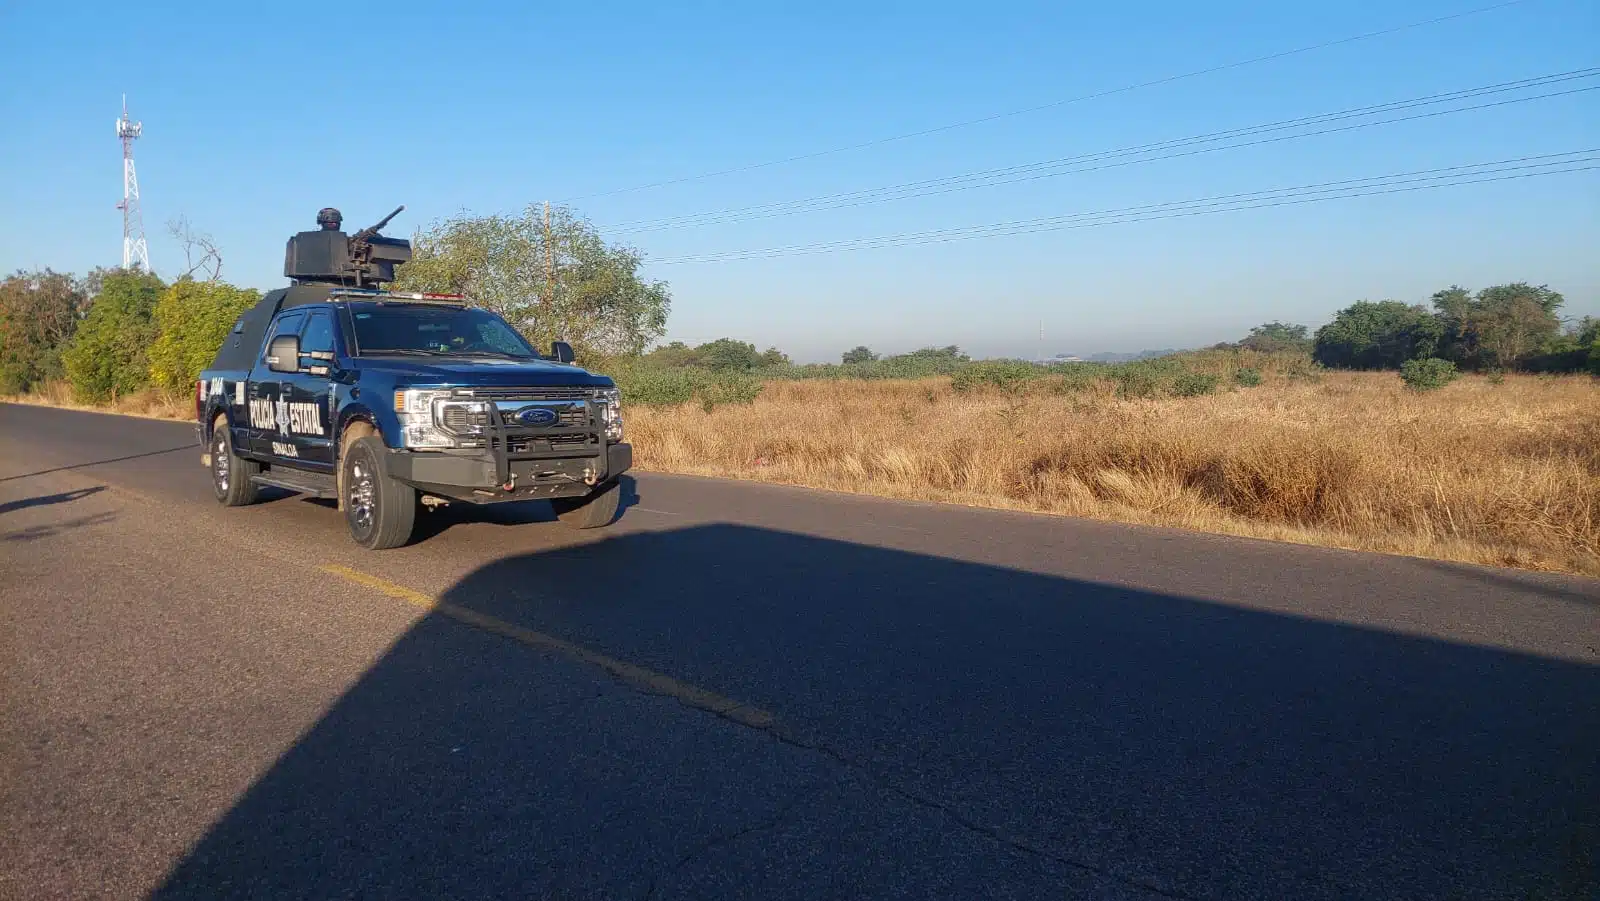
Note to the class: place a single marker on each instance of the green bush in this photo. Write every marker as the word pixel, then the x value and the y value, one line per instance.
pixel 1248 377
pixel 1006 375
pixel 192 320
pixel 38 315
pixel 1427 374
pixel 1079 377
pixel 653 386
pixel 728 389
pixel 1194 384
pixel 1594 357
pixel 1303 371
pixel 1135 382
pixel 109 354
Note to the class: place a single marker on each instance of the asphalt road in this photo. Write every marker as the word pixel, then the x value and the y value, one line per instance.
pixel 742 691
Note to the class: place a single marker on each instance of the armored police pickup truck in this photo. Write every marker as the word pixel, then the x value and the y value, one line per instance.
pixel 335 388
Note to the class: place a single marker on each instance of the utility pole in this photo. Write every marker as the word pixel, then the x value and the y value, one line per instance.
pixel 549 259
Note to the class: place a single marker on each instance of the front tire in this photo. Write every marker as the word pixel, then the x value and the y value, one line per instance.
pixel 379 510
pixel 591 511
pixel 230 473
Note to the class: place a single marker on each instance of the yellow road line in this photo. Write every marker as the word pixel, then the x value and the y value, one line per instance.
pixel 637 676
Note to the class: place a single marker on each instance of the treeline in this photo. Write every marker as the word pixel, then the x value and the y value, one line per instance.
pixel 1501 328
pixel 731 371
pixel 115 333
pixel 112 333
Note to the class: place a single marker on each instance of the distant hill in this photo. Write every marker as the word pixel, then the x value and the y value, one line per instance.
pixel 1111 357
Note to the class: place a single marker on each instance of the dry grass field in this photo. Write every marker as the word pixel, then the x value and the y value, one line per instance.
pixel 1505 474
pixel 149 403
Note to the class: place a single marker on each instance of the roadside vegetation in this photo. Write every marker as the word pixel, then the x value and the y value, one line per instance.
pixel 1467 428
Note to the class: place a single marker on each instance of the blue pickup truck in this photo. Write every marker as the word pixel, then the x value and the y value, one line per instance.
pixel 337 388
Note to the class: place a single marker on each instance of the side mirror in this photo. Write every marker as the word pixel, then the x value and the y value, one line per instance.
pixel 283 354
pixel 562 352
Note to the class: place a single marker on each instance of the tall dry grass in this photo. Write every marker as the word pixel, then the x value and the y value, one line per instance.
pixel 1505 474
pixel 150 403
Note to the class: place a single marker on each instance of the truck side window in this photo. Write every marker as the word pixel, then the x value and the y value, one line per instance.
pixel 318 336
pixel 287 324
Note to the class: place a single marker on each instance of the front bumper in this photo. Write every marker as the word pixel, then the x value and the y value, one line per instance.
pixel 476 477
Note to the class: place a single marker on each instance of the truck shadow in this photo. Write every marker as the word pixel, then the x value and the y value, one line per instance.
pixel 942 729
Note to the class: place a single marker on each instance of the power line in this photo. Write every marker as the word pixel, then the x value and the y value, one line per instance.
pixel 1395 183
pixel 878 142
pixel 1246 200
pixel 1126 156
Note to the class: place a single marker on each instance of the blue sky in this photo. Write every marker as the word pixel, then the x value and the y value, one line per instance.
pixel 253 121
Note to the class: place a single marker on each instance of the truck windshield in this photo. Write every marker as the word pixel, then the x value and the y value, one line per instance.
pixel 419 328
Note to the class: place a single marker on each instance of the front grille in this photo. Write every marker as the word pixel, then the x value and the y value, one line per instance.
pixel 567 441
pixel 514 394
pixel 460 420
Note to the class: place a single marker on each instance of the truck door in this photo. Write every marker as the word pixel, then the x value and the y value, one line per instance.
pixel 308 393
pixel 269 420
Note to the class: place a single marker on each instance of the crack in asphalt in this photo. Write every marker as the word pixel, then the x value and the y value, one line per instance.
pixel 718 841
pixel 990 833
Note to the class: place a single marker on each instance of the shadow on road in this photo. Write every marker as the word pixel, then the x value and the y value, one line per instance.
pixel 44 500
pixel 34 533
pixel 944 730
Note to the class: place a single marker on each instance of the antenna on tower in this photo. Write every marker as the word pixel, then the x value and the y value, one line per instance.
pixel 134 250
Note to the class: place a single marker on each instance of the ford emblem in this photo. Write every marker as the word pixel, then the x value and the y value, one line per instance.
pixel 537 416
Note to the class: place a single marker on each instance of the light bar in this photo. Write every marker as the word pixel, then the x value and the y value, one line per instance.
pixel 412 296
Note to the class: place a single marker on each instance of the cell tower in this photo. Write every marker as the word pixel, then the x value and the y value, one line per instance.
pixel 134 250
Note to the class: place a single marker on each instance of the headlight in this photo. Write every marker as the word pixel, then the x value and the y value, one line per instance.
pixel 418 429
pixel 609 400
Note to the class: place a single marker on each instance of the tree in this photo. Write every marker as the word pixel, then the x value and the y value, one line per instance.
pixel 1275 337
pixel 108 355
pixel 1377 335
pixel 948 353
pixel 774 357
pixel 1513 321
pixel 726 354
pixel 1504 326
pixel 675 354
pixel 1453 307
pixel 200 252
pixel 859 354
pixel 38 315
pixel 192 320
pixel 577 288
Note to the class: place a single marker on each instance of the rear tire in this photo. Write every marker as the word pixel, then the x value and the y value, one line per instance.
pixel 231 473
pixel 379 510
pixel 591 511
